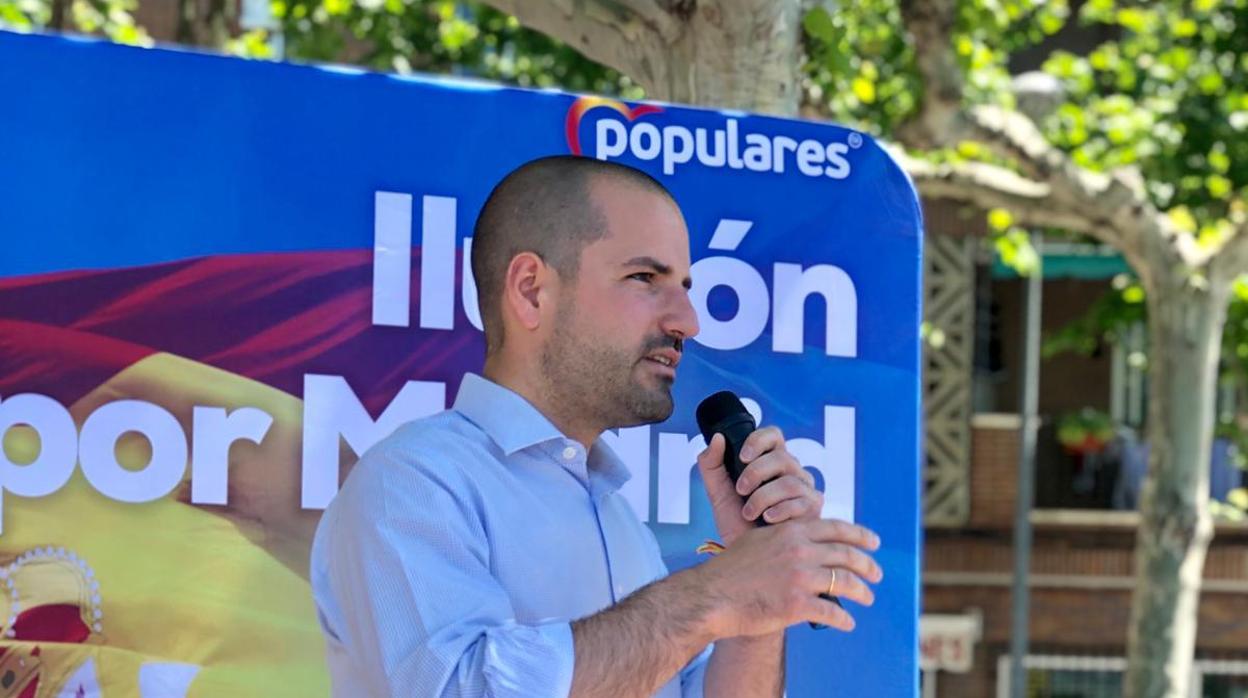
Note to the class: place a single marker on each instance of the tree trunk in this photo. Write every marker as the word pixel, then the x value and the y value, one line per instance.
pixel 1186 322
pixel 57 20
pixel 732 55
pixel 185 32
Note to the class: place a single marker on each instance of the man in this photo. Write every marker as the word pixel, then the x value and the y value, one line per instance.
pixel 487 551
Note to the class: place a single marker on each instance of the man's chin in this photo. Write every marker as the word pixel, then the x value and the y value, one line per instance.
pixel 643 418
pixel 660 408
pixel 657 406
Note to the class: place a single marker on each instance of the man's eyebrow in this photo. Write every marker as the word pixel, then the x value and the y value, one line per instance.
pixel 656 265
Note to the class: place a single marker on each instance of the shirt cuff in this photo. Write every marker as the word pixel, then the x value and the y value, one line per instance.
pixel 528 661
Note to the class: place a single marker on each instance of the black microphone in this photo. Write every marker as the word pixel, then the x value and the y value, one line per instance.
pixel 723 413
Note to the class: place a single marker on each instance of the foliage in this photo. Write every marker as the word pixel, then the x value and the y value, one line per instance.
pixel 1171 96
pixel 1168 94
pixel 860 71
pixel 111 18
pixel 1105 322
pixel 861 66
pixel 435 36
pixel 1012 243
pixel 440 36
pixel 1085 431
pixel 1235 506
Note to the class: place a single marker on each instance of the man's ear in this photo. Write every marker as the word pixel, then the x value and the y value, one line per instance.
pixel 525 289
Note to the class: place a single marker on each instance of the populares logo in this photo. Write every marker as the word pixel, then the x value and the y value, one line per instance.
pixel 620 131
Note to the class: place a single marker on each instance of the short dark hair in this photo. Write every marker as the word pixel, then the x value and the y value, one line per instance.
pixel 544 207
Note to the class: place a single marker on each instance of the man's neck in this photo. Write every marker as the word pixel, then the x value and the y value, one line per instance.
pixel 526 382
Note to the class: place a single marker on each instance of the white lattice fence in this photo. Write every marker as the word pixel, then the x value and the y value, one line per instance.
pixel 1082 676
pixel 949 309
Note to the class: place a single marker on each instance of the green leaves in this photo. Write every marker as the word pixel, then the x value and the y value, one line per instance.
pixel 1105 321
pixel 1012 243
pixel 1000 220
pixel 252 44
pixel 818 24
pixel 1016 251
pixel 1238 497
pixel 440 36
pixel 1168 96
pixel 860 66
pixel 22 15
pixel 111 18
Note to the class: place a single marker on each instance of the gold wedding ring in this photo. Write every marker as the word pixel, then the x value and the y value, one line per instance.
pixel 832 584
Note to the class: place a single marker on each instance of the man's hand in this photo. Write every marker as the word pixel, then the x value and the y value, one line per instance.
pixel 742 599
pixel 773 576
pixel 773 484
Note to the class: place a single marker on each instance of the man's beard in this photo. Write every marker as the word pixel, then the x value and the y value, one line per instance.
pixel 590 379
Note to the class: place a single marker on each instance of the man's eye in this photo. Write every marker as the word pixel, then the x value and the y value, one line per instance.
pixel 645 276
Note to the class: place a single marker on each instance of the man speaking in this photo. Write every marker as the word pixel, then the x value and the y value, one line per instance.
pixel 487 551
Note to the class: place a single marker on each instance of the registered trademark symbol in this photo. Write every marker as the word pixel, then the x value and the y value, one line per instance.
pixel 855 140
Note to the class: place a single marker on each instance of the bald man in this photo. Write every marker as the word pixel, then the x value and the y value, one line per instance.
pixel 487 550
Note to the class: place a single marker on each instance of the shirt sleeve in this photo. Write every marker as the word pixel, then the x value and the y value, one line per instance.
pixel 693 676
pixel 407 565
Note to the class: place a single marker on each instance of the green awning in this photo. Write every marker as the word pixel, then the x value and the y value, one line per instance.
pixel 1067 261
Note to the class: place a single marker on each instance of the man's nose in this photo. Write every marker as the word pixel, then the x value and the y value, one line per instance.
pixel 682 319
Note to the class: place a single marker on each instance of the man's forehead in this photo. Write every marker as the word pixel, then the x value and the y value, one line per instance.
pixel 634 242
pixel 610 193
pixel 637 218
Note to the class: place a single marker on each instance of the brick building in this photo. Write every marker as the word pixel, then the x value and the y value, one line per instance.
pixel 1084 530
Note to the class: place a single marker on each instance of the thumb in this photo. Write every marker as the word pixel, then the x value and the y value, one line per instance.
pixel 711 464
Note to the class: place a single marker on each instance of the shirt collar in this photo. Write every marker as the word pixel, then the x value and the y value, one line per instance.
pixel 603 460
pixel 515 424
pixel 506 417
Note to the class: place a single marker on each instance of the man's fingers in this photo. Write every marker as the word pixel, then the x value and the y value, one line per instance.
pixel 829 614
pixel 839 555
pixel 806 507
pixel 769 466
pixel 835 531
pixel 715 475
pixel 712 457
pixel 803 473
pixel 785 488
pixel 761 441
pixel 847 585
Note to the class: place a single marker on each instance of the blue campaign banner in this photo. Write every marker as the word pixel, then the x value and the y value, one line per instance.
pixel 222 280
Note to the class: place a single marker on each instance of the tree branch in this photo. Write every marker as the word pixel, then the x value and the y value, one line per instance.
pixel 1230 260
pixel 987 187
pixel 1032 204
pixel 616 33
pixel 930 26
pixel 1014 136
pixel 1114 208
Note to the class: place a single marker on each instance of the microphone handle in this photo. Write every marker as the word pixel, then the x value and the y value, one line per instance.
pixel 735 432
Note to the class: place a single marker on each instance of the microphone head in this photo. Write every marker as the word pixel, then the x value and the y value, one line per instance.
pixel 717 408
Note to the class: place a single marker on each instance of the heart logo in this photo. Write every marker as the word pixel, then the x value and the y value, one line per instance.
pixel 572 124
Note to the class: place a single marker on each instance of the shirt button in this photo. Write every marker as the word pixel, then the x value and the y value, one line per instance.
pixel 569 453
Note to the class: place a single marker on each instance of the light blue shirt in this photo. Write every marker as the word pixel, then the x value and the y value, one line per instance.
pixel 461 547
